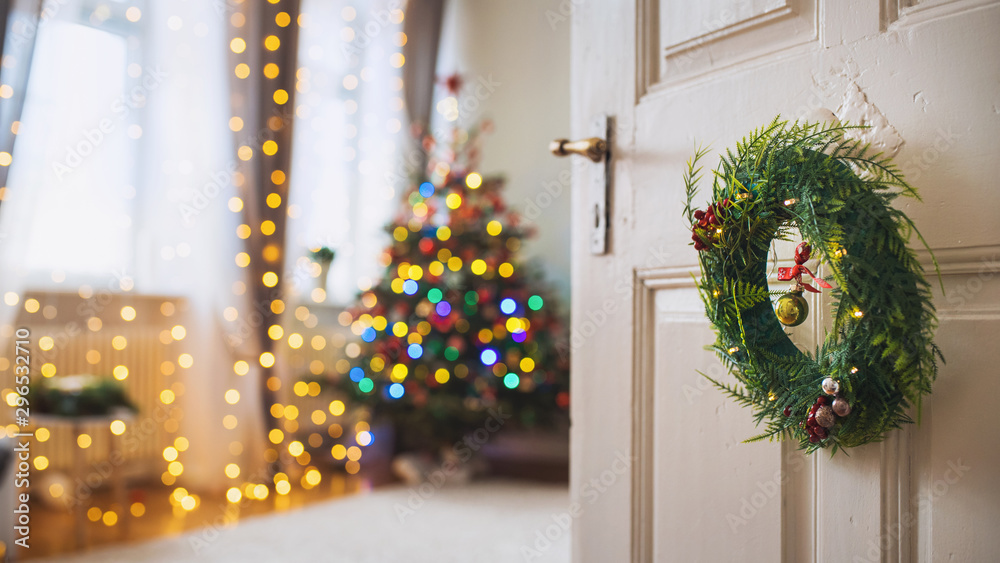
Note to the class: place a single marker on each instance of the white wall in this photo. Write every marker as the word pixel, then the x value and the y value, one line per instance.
pixel 520 49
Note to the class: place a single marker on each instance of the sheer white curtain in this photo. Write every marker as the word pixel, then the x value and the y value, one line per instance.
pixel 349 134
pixel 66 215
pixel 123 171
pixel 189 233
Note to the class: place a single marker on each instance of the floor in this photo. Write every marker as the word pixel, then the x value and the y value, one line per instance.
pixel 53 528
pixel 489 521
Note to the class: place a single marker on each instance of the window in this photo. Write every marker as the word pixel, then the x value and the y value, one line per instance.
pixel 76 149
pixel 348 138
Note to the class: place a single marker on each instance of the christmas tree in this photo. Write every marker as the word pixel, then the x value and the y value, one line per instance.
pixel 458 326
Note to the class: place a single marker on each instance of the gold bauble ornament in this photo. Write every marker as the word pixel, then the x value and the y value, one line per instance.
pixel 792 309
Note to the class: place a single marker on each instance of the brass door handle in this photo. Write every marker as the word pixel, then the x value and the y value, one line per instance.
pixel 593 148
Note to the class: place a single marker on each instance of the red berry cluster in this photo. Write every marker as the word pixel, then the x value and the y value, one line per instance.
pixel 816 431
pixel 708 222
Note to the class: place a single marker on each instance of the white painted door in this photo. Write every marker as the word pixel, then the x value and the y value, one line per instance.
pixel 676 73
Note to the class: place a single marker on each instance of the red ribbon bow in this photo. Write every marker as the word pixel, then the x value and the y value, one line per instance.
pixel 802 253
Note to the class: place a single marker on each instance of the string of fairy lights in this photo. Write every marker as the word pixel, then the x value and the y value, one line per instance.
pixel 108 352
pixel 105 353
pixel 243 486
pixel 6 93
pixel 108 341
pixel 284 444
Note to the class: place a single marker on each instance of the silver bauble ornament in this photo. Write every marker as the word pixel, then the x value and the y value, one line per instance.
pixel 824 417
pixel 841 406
pixel 831 386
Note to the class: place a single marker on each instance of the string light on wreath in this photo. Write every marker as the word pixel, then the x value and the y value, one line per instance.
pixel 878 358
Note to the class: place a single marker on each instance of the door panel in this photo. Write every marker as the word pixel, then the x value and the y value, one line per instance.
pixel 677 74
pixel 688 433
pixel 697 429
pixel 698 37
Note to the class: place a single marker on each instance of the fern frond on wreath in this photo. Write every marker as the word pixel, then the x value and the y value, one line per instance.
pixel 824 183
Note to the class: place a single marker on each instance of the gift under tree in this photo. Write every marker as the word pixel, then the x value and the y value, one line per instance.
pixel 458 330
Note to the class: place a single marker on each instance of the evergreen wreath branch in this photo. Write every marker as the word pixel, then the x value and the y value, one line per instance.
pixel 813 178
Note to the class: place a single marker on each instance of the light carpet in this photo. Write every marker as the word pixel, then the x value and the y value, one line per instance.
pixel 485 522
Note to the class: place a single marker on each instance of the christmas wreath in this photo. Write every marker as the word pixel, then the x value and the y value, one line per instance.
pixel 879 357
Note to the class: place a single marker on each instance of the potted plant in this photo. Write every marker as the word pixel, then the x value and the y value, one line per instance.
pixel 324 257
pixel 79 395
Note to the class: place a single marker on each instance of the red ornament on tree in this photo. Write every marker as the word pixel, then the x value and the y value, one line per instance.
pixel 452 83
